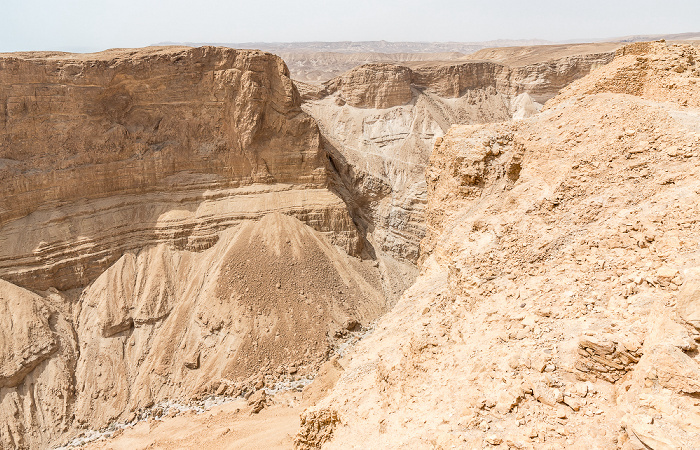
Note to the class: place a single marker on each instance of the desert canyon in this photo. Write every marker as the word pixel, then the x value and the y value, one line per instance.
pixel 202 249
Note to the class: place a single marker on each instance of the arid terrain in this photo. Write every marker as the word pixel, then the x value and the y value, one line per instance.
pixel 495 250
pixel 318 62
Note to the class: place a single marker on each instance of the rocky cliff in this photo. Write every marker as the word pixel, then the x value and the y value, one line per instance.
pixel 148 130
pixel 558 298
pixel 167 231
pixel 176 226
pixel 380 121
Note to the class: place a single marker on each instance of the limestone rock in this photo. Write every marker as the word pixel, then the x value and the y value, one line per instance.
pixel 606 359
pixel 316 428
pixel 380 121
pixel 674 369
pixel 215 314
pixel 137 124
pixel 151 197
pixel 552 216
pixel 258 401
pixel 689 298
pixel 376 85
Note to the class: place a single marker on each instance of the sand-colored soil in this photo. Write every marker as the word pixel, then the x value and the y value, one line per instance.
pixel 231 426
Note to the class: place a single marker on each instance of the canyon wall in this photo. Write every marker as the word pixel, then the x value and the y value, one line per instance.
pixel 149 130
pixel 175 224
pixel 167 231
pixel 379 123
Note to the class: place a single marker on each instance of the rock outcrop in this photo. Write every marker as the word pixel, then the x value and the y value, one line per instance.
pixel 376 85
pixel 557 301
pixel 25 335
pixel 380 121
pixel 177 226
pixel 167 324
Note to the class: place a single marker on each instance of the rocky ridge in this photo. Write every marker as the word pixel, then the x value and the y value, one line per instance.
pixel 557 302
pixel 185 306
pixel 380 121
pixel 317 67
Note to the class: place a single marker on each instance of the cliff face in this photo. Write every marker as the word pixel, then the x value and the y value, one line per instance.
pixel 75 126
pixel 166 232
pixel 383 85
pixel 558 304
pixel 380 121
pixel 170 217
pixel 148 129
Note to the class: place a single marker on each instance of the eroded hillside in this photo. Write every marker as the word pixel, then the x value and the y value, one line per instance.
pixel 167 231
pixel 176 225
pixel 379 123
pixel 557 305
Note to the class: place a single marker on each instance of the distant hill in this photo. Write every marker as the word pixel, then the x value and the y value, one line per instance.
pixel 371 46
pixel 655 37
pixel 316 62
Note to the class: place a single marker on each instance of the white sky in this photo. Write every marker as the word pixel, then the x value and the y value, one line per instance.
pixel 88 25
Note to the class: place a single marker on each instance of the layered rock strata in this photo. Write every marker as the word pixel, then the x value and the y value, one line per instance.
pixel 164 324
pixel 166 232
pixel 137 126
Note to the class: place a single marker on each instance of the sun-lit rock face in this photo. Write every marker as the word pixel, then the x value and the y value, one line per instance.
pixel 376 85
pixel 558 303
pixel 174 225
pixel 97 150
pixel 123 121
pixel 128 177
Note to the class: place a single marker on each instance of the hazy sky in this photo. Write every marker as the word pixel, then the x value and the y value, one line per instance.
pixel 84 25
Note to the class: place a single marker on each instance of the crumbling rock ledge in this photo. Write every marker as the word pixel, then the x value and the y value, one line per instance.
pixel 556 308
pixel 379 123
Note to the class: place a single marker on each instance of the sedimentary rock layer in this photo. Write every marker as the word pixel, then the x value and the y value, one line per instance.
pixel 165 324
pixel 379 123
pixel 166 214
pixel 153 130
pixel 68 247
pixel 123 121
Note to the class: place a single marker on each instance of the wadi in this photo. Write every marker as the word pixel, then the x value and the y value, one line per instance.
pixel 200 248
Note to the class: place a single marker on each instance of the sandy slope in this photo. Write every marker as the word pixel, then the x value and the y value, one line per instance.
pixel 227 427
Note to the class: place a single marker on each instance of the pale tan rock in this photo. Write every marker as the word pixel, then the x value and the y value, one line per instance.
pixel 689 298
pixel 380 122
pixel 133 123
pixel 258 401
pixel 653 437
pixel 326 378
pixel 546 213
pixel 316 428
pixel 37 365
pixel 494 439
pixel 674 369
pixel 26 338
pixel 217 306
pixel 141 184
pixel 376 85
